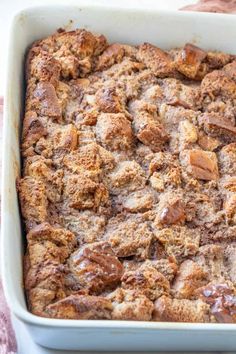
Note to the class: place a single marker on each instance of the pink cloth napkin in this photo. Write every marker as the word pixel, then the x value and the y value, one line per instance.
pixel 8 343
pixel 7 336
pixel 225 6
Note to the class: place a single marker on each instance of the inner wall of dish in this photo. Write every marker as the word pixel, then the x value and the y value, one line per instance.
pixel 125 27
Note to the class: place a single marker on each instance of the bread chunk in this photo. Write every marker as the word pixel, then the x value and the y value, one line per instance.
pixel 171 210
pixel 217 60
pixel 44 67
pixel 129 236
pixel 114 53
pixel 108 100
pixel 179 241
pixel 43 170
pixel 33 130
pixel 189 278
pixel 146 280
pixel 81 307
pixel 221 298
pixel 155 59
pixel 127 175
pixel 87 225
pixel 139 201
pixel 177 94
pixel 82 192
pixel 230 69
pixel 146 125
pixel 46 101
pixel 166 266
pixel 130 305
pixel 94 267
pixel 33 199
pixel 189 60
pixel 217 126
pixel 47 250
pixel 114 131
pixel 218 84
pixel 227 159
pixel 181 310
pixel 201 164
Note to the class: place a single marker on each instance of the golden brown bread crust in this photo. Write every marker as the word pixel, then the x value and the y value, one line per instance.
pixel 189 60
pixel 130 305
pixel 33 200
pixel 147 280
pixel 128 192
pixel 114 131
pixel 48 248
pixel 81 307
pixel 175 310
pixel 158 61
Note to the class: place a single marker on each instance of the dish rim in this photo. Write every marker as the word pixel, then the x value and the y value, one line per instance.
pixel 18 310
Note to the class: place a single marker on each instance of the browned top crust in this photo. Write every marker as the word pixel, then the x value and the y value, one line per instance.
pixel 128 188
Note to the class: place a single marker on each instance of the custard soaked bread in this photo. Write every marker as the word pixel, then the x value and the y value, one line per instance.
pixel 128 189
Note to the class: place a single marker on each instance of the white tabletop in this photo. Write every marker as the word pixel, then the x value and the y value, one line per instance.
pixel 7 10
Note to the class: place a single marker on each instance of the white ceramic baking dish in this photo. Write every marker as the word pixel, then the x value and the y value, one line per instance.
pixel 166 29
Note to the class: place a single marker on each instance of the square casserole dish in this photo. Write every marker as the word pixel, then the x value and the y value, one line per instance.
pixel 132 26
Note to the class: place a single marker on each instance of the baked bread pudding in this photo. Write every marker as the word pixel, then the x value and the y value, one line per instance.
pixel 128 187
